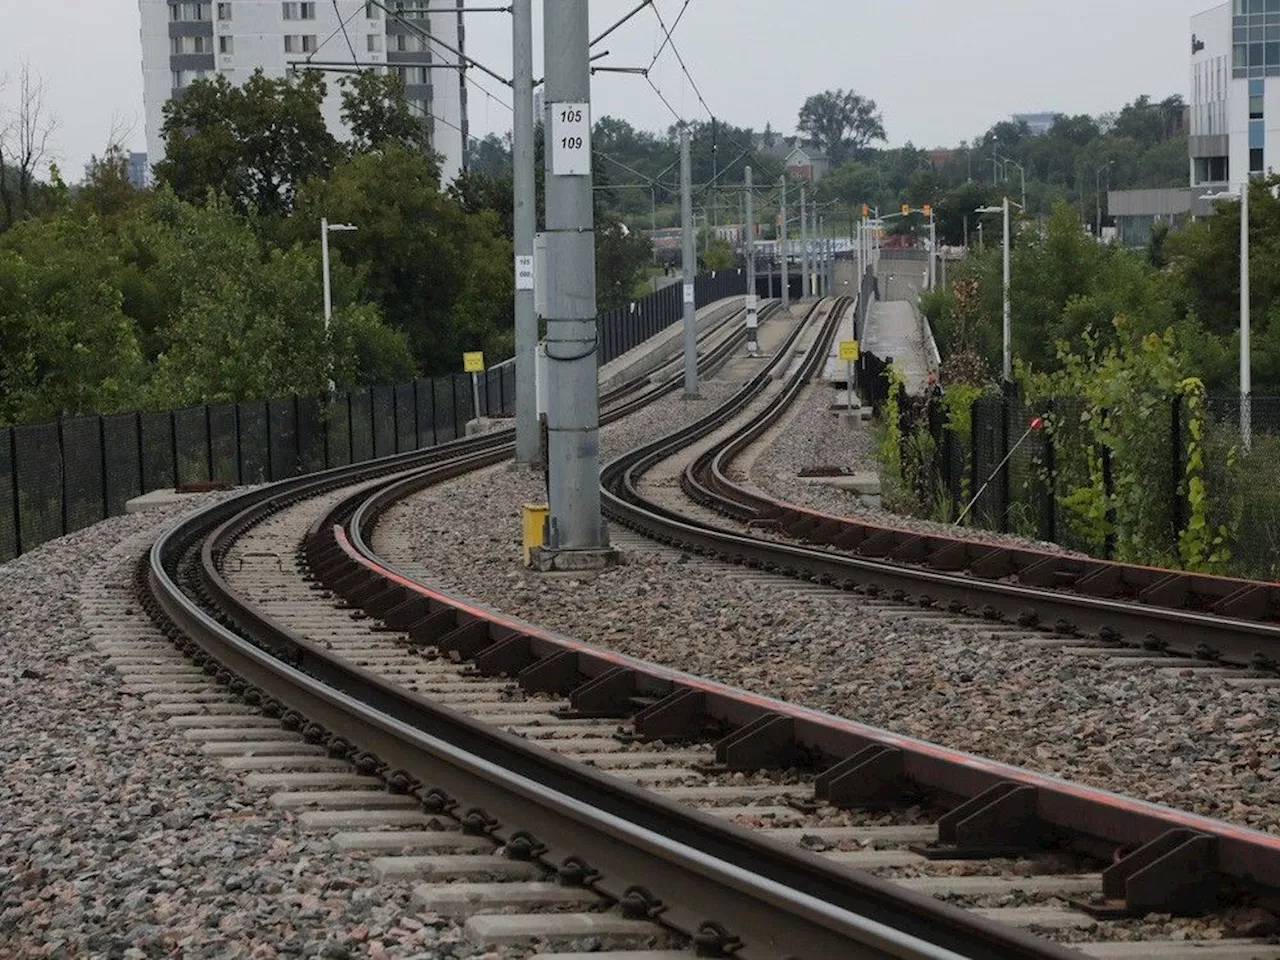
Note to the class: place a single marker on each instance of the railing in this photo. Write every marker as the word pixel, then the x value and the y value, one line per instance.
pixel 59 477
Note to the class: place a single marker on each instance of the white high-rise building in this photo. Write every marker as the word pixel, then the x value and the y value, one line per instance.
pixel 182 41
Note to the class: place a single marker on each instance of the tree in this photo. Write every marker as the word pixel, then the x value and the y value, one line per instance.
pixel 68 346
pixel 25 136
pixel 244 319
pixel 441 275
pixel 622 259
pixel 490 156
pixel 252 144
pixel 841 122
pixel 374 107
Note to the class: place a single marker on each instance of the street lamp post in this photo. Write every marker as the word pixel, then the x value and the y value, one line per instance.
pixel 1246 371
pixel 1098 195
pixel 1007 365
pixel 1022 170
pixel 327 228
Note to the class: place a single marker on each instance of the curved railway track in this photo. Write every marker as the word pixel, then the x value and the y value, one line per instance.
pixel 422 700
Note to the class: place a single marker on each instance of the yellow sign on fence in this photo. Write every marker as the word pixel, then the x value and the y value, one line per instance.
pixel 473 362
pixel 848 349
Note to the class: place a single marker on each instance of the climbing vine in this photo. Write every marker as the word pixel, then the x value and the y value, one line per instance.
pixel 1201 546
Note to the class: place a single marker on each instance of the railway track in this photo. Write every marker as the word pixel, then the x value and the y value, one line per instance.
pixel 409 693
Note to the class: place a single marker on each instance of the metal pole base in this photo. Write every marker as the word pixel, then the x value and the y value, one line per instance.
pixel 546 560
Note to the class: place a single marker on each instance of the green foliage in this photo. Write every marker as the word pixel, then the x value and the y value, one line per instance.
pixel 889 448
pixel 1200 547
pixel 374 107
pixel 622 262
pixel 843 122
pixel 716 255
pixel 441 276
pixel 252 143
pixel 68 346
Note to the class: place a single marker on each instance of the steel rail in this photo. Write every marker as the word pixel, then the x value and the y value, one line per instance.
pixel 564 812
pixel 338 552
pixel 1227 860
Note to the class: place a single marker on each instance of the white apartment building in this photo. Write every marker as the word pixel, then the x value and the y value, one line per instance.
pixel 1235 92
pixel 182 41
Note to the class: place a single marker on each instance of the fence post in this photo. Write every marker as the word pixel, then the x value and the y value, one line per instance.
pixel 326 423
pixel 1108 492
pixel 417 418
pixel 173 446
pixel 297 435
pixel 235 425
pixel 271 459
pixel 208 439
pixel 975 481
pixel 142 460
pixel 395 422
pixel 1177 471
pixel 102 462
pixel 1005 493
pixel 351 432
pixel 13 476
pixel 453 386
pixel 62 477
pixel 373 423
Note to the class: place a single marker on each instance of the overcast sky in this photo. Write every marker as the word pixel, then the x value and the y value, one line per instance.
pixel 940 70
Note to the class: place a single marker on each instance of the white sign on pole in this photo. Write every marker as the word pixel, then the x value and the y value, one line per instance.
pixel 688 293
pixel 753 301
pixel 540 274
pixel 524 272
pixel 570 139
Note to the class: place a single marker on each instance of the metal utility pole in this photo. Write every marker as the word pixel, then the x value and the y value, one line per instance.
pixel 690 267
pixel 783 258
pixel 1246 371
pixel 573 415
pixel 933 249
pixel 804 245
pixel 1007 311
pixel 753 318
pixel 528 432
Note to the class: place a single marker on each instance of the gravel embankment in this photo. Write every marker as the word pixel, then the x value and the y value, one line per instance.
pixel 810 435
pixel 1189 740
pixel 119 839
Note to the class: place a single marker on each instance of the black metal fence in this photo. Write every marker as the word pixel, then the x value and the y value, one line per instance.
pixel 627 327
pixel 59 477
pixel 1039 470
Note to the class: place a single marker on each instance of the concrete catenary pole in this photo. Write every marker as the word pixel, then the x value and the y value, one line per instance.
pixel 528 431
pixel 573 415
pixel 753 319
pixel 804 245
pixel 783 258
pixel 690 267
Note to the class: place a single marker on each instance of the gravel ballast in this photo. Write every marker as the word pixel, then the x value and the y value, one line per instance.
pixel 1187 739
pixel 119 839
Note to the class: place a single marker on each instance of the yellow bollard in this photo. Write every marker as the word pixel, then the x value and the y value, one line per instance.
pixel 535 524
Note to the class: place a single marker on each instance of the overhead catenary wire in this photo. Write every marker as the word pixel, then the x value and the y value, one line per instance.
pixel 342 25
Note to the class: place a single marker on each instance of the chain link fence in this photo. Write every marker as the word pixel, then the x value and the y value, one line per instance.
pixel 1108 483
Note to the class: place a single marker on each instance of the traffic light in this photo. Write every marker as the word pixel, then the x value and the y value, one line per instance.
pixel 906 209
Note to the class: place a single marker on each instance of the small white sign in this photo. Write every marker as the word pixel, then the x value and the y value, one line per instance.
pixel 688 293
pixel 753 321
pixel 570 139
pixel 524 272
pixel 753 302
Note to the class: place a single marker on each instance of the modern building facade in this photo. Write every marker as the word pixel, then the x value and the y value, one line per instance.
pixel 1234 113
pixel 183 41
pixel 1038 123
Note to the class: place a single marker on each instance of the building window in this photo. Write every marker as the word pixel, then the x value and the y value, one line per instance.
pixel 1255 108
pixel 299 44
pixel 1255 160
pixel 375 43
pixel 189 12
pixel 298 11
pixel 372 12
pixel 179 46
pixel 224 11
pixel 226 45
